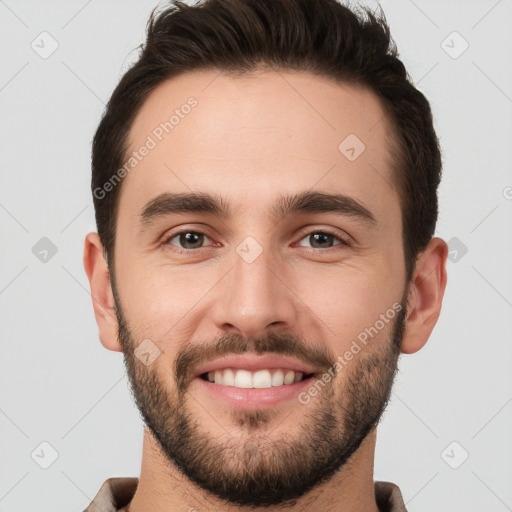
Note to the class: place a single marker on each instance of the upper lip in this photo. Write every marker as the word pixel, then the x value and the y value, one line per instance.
pixel 254 362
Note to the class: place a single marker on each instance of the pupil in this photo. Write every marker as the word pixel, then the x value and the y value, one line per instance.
pixel 188 238
pixel 320 236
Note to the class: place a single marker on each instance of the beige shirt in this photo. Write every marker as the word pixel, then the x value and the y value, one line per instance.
pixel 116 493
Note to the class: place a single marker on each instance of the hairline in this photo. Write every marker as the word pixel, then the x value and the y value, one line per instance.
pixel 394 146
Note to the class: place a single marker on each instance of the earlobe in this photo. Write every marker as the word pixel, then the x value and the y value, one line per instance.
pixel 425 295
pixel 103 303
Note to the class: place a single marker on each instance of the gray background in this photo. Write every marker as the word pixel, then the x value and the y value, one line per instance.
pixel 58 385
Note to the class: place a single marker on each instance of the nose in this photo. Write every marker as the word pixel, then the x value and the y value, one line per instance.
pixel 255 297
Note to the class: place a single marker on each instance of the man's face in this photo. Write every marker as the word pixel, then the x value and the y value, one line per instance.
pixel 267 299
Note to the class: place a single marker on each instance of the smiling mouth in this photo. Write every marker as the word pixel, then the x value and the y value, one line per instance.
pixel 260 379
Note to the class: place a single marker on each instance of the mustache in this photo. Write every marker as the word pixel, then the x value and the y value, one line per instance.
pixel 234 344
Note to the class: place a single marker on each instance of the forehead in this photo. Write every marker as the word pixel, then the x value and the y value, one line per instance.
pixel 264 133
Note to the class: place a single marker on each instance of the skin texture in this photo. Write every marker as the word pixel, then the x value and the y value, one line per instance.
pixel 249 140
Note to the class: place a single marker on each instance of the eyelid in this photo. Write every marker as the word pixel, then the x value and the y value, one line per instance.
pixel 343 239
pixel 173 234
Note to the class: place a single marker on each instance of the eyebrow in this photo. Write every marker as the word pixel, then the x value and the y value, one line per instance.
pixel 304 202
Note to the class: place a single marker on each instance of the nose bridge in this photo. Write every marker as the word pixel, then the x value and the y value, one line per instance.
pixel 253 297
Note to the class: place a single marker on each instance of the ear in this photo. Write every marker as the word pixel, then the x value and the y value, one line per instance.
pixel 425 297
pixel 101 292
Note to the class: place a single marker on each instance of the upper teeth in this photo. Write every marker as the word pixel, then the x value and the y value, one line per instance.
pixel 259 379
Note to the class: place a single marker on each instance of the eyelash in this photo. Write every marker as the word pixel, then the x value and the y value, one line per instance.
pixel 343 241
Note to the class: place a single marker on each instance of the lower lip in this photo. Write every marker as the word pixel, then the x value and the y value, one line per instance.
pixel 254 398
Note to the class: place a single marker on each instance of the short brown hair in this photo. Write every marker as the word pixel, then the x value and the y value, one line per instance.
pixel 322 37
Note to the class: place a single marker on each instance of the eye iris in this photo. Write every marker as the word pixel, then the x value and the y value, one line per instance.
pixel 196 239
pixel 319 237
pixel 191 238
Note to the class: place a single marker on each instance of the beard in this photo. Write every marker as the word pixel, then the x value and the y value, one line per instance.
pixel 255 468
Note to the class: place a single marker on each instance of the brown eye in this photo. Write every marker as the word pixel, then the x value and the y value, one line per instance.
pixel 322 240
pixel 188 240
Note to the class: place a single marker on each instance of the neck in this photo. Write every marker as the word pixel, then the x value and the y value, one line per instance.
pixel 163 488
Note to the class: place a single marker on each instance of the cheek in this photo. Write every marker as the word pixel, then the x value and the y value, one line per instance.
pixel 348 303
pixel 160 301
pixel 167 302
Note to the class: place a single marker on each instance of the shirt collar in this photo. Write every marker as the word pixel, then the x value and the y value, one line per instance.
pixel 116 493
